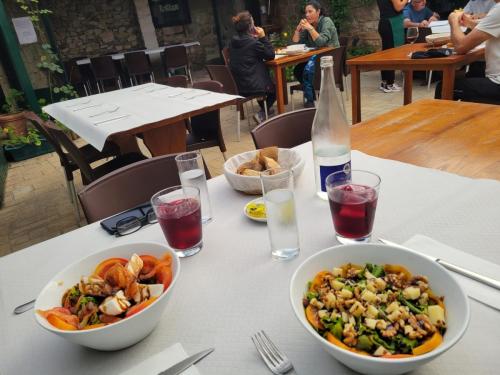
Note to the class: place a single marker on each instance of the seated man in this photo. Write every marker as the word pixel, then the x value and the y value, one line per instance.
pixel 416 14
pixel 478 89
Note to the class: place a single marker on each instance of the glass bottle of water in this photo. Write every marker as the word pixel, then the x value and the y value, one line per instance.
pixel 331 138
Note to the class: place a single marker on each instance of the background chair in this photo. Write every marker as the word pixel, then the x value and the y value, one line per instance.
pixel 104 69
pixel 339 56
pixel 129 186
pixel 205 129
pixel 225 55
pixel 176 57
pixel 88 152
pixel 76 78
pixel 222 74
pixel 287 130
pixel 138 65
pixel 174 81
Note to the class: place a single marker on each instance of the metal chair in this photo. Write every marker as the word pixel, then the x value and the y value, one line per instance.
pixel 176 57
pixel 174 81
pixel 138 65
pixel 75 77
pixel 129 186
pixel 287 130
pixel 205 129
pixel 222 74
pixel 104 69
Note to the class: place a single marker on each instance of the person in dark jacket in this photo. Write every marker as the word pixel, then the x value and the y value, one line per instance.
pixel 248 51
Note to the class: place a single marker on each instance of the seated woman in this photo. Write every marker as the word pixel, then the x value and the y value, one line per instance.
pixel 484 89
pixel 248 50
pixel 315 30
pixel 417 14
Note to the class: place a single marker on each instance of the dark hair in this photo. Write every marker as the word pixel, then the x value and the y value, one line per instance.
pixel 316 5
pixel 242 22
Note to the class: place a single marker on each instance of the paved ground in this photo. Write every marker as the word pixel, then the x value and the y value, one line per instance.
pixel 37 206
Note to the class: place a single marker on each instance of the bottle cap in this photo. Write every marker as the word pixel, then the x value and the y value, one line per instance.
pixel 326 61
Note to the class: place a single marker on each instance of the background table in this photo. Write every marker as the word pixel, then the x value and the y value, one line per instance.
pixel 398 59
pixel 279 63
pixel 458 137
pixel 232 288
pixel 152 113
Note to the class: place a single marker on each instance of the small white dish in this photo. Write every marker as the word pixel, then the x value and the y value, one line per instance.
pixel 246 209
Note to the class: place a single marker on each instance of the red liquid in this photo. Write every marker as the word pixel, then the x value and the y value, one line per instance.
pixel 353 210
pixel 180 221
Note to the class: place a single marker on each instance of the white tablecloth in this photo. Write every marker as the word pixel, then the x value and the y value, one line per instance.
pixel 232 288
pixel 143 104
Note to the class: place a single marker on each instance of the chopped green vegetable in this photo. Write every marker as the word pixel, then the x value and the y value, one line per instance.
pixel 405 343
pixel 337 329
pixel 378 271
pixel 74 292
pixel 411 306
pixel 364 343
pixel 311 295
pixel 379 341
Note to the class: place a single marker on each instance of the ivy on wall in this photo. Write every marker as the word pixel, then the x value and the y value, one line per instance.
pixel 341 11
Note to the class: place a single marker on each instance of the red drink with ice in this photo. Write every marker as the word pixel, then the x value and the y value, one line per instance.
pixel 353 210
pixel 180 221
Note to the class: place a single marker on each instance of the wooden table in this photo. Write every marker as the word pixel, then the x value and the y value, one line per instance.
pixel 398 59
pixel 279 63
pixel 457 137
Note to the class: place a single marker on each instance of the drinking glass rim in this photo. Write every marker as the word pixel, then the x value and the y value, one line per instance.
pixel 281 175
pixel 375 186
pixel 172 189
pixel 183 156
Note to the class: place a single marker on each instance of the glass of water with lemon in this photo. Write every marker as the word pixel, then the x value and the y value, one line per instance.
pixel 277 191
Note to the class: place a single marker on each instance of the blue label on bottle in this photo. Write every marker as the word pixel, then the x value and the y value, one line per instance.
pixel 325 171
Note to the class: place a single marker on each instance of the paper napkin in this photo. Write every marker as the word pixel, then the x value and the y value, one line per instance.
pixel 162 361
pixel 487 295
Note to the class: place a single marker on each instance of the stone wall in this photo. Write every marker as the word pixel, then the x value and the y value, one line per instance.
pixel 94 27
pixel 202 29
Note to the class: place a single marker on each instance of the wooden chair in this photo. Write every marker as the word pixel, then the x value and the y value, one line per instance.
pixel 205 129
pixel 225 55
pixel 222 74
pixel 286 130
pixel 138 65
pixel 129 186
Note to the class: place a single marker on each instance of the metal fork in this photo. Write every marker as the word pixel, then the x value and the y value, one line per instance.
pixel 274 358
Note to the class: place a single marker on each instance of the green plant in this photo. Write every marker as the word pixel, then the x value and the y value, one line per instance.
pixel 49 61
pixel 359 50
pixel 13 101
pixel 13 139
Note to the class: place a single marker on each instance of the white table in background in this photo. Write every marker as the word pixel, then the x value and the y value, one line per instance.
pixel 232 288
pixel 156 111
pixel 152 51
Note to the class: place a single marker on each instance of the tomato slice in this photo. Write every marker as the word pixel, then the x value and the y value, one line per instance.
pixel 106 264
pixel 140 306
pixel 150 263
pixel 164 275
pixel 429 345
pixel 58 322
pixel 167 258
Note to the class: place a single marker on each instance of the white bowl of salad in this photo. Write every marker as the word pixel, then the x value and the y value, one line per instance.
pixel 111 299
pixel 379 309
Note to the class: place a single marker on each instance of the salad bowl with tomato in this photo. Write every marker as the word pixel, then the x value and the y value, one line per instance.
pixel 111 299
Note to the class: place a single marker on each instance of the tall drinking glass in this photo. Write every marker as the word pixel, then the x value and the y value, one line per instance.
pixel 192 173
pixel 353 201
pixel 277 190
pixel 178 210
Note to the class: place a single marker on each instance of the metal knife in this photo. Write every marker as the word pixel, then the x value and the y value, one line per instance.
pixel 452 267
pixel 186 363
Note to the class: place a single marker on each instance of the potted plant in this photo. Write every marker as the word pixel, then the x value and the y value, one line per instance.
pixel 13 116
pixel 21 147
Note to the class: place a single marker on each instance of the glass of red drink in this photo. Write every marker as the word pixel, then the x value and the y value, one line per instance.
pixel 178 210
pixel 353 201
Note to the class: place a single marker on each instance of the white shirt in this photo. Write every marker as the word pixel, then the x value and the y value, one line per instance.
pixel 479 6
pixel 491 25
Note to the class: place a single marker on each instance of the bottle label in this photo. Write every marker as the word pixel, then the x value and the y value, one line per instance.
pixel 326 170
